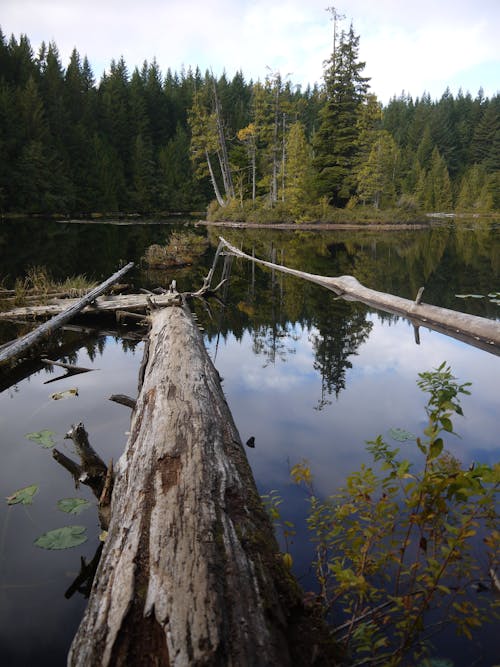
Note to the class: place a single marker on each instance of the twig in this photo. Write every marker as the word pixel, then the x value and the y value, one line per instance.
pixel 122 399
pixel 73 468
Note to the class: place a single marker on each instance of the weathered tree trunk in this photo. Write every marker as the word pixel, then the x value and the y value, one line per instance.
pixel 218 196
pixel 223 154
pixel 47 328
pixel 477 331
pixel 190 573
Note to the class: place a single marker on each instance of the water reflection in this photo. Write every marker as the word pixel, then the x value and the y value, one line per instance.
pixel 36 620
pixel 277 405
pixel 308 375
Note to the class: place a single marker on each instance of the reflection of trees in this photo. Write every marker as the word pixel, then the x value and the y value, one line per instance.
pixel 398 262
pixel 342 327
pixel 453 259
pixel 270 338
pixel 65 346
pixel 271 341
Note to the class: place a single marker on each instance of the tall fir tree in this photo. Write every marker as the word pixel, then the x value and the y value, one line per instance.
pixel 336 140
pixel 377 176
pixel 297 168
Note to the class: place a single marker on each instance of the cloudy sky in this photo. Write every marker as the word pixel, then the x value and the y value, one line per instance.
pixel 407 45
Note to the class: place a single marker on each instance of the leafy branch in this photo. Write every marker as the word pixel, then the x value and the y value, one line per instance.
pixel 398 541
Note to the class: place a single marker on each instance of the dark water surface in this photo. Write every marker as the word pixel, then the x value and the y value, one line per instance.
pixel 309 376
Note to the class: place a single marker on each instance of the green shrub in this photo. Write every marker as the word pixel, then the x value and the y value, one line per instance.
pixel 398 543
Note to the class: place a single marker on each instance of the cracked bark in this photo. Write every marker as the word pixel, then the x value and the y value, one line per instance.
pixel 190 572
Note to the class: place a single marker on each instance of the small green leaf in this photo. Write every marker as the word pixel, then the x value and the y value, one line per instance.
pixel 43 438
pixel 24 496
pixel 62 538
pixel 401 435
pixel 64 394
pixel 436 448
pixel 73 505
pixel 446 424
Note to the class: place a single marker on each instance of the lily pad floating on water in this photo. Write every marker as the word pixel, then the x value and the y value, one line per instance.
pixel 64 394
pixel 43 438
pixel 73 505
pixel 401 435
pixel 62 538
pixel 24 496
pixel 469 296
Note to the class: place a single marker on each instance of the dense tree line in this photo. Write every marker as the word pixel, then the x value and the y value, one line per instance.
pixel 151 142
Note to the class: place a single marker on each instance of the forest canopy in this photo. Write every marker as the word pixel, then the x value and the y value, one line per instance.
pixel 151 142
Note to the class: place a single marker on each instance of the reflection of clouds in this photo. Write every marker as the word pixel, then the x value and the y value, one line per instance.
pixel 251 374
pixel 36 621
pixel 275 404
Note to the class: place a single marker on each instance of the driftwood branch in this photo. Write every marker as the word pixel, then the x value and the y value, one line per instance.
pixel 75 470
pixel 92 463
pixel 122 399
pixel 127 314
pixel 25 342
pixel 190 572
pixel 133 306
pixel 91 471
pixel 477 331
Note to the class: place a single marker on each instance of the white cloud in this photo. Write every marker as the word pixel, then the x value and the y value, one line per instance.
pixel 411 46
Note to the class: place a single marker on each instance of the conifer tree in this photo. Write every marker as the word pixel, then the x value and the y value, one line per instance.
pixel 471 187
pixel 178 190
pixel 434 188
pixel 299 174
pixel 377 176
pixel 335 143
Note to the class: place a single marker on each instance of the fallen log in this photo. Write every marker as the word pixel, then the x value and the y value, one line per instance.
pixel 121 302
pixel 191 572
pixel 20 345
pixel 477 331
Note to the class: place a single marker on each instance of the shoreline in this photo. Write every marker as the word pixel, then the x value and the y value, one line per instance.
pixel 313 226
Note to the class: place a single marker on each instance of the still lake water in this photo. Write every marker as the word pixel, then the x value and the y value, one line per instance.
pixel 308 375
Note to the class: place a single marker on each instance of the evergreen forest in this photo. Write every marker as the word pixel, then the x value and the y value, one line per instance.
pixel 148 142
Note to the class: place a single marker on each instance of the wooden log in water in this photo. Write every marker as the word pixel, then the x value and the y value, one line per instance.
pixel 108 303
pixel 20 345
pixel 190 573
pixel 477 331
